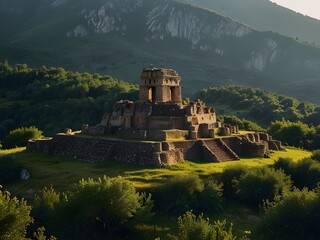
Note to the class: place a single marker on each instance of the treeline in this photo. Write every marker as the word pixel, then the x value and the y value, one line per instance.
pixel 259 106
pixel 53 99
pixel 287 192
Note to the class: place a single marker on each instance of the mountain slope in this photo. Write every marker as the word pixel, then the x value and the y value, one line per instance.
pixel 267 16
pixel 120 37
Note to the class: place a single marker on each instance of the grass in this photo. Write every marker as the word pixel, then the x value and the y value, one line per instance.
pixel 63 173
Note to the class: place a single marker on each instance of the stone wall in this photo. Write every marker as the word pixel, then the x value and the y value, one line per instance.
pixel 155 153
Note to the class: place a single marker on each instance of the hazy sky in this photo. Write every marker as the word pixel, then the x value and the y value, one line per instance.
pixel 306 7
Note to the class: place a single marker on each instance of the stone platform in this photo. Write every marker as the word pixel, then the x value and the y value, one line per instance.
pixel 95 149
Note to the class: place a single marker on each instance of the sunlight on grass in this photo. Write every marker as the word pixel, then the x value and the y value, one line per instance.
pixel 63 173
pixel 11 151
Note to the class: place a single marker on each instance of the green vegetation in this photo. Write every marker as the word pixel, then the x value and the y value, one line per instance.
pixel 145 201
pixel 14 217
pixel 197 227
pixel 258 105
pixel 53 99
pixel 288 120
pixel 19 137
pixel 107 207
pixel 37 34
pixel 294 215
pixel 260 184
pixel 243 124
pixel 296 134
pixel 304 173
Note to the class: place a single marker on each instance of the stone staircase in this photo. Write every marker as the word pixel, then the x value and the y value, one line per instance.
pixel 221 150
pixel 97 152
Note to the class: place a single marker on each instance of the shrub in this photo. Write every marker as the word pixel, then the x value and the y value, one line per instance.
pixel 316 155
pixel 178 194
pixel 9 170
pixel 20 136
pixel 304 173
pixel 193 227
pixel 229 177
pixel 210 199
pixel 103 208
pixel 262 184
pixel 44 204
pixel 293 216
pixel 14 217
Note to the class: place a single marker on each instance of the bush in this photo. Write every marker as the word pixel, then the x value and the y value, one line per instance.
pixel 304 173
pixel 210 199
pixel 103 208
pixel 14 217
pixel 229 178
pixel 20 137
pixel 9 170
pixel 178 194
pixel 193 227
pixel 293 216
pixel 316 155
pixel 183 193
pixel 262 184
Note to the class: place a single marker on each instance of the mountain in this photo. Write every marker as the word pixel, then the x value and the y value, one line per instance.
pixel 267 16
pixel 120 37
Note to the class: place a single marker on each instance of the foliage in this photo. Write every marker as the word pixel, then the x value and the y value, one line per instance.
pixel 14 217
pixel 304 173
pixel 295 215
pixel 103 207
pixel 316 155
pixel 9 170
pixel 20 136
pixel 178 194
pixel 262 184
pixel 230 176
pixel 40 235
pixel 53 99
pixel 210 199
pixel 258 105
pixel 192 227
pixel 242 123
pixel 295 134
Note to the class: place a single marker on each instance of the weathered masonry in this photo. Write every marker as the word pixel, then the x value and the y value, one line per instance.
pixel 159 129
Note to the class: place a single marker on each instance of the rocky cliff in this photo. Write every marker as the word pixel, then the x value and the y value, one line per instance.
pixel 119 37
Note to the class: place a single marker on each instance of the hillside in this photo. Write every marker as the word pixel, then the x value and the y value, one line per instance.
pixel 120 37
pixel 256 13
pixel 53 99
pixel 258 105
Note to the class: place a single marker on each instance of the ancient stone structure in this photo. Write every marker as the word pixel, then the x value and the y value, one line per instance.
pixel 158 129
pixel 159 114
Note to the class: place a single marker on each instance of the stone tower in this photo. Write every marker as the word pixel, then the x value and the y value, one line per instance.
pixel 160 85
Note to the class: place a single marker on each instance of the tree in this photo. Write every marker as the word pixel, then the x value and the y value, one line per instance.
pixel 295 215
pixel 14 217
pixel 20 136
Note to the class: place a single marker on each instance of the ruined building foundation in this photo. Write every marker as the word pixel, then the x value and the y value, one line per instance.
pixel 158 129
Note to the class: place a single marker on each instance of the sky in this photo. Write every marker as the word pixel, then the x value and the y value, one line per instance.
pixel 306 7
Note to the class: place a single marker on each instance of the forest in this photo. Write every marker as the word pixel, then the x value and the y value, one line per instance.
pixel 53 99
pixel 69 199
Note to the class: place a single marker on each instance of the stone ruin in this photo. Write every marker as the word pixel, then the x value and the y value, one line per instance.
pixel 159 129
